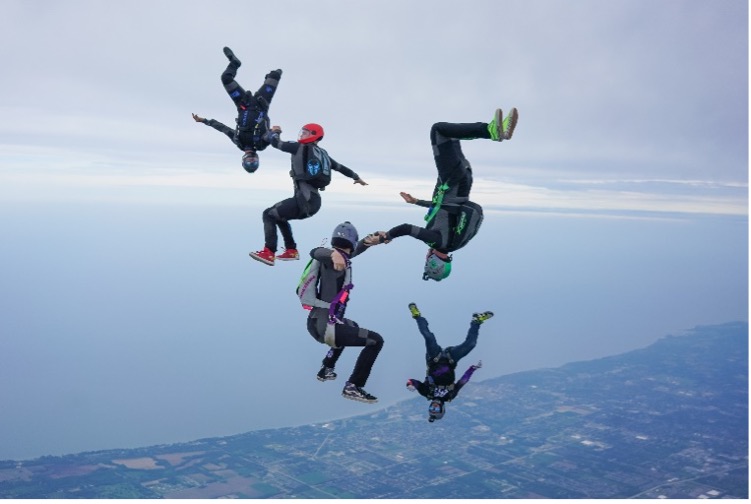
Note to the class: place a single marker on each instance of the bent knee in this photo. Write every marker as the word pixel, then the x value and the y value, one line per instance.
pixel 374 339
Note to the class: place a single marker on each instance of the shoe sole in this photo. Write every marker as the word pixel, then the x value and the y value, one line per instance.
pixel 287 258
pixel 324 379
pixel 259 259
pixel 359 399
pixel 514 115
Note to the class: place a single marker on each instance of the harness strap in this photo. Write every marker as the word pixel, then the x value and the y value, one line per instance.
pixel 436 203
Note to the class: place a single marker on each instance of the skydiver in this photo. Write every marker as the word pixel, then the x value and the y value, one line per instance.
pixel 439 386
pixel 452 219
pixel 326 323
pixel 309 161
pixel 252 112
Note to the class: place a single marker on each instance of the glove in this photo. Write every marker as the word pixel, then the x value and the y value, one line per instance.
pixel 270 135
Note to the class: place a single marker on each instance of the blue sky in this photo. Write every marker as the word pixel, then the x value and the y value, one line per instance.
pixel 616 215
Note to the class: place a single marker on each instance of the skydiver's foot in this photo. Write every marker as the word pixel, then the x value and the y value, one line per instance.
pixel 481 317
pixel 289 254
pixel 231 57
pixel 265 256
pixel 414 310
pixel 326 374
pixel 494 126
pixel 509 124
pixel 352 391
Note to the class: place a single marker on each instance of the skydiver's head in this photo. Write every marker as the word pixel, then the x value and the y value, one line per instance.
pixel 436 410
pixel 310 133
pixel 437 265
pixel 345 236
pixel 250 160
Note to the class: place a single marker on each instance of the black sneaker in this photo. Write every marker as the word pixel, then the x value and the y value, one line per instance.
pixel 231 57
pixel 352 391
pixel 481 317
pixel 326 374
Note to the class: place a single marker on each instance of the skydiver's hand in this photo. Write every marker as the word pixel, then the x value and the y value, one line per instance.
pixel 338 259
pixel 277 130
pixel 198 118
pixel 477 366
pixel 270 135
pixel 408 198
pixel 376 238
pixel 361 182
pixel 410 387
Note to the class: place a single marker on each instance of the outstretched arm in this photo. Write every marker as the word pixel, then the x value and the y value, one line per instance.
pixel 414 201
pixel 466 376
pixel 347 172
pixel 420 387
pixel 272 137
pixel 216 125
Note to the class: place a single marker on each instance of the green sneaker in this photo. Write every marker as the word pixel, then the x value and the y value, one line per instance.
pixel 495 134
pixel 413 310
pixel 481 317
pixel 509 124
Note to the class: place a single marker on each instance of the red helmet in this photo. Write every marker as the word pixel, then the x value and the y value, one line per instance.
pixel 313 132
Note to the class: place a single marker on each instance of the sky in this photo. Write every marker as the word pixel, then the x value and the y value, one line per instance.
pixel 130 312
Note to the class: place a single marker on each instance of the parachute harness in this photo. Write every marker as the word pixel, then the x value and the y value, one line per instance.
pixel 339 303
pixel 436 203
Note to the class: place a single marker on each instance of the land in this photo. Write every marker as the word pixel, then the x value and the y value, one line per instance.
pixel 667 421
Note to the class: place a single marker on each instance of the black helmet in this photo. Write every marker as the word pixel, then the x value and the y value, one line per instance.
pixel 436 411
pixel 345 236
pixel 250 161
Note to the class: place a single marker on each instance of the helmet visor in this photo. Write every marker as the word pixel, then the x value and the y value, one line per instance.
pixel 250 161
pixel 436 409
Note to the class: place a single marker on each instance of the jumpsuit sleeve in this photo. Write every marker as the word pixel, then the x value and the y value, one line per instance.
pixel 344 170
pixel 360 248
pixel 421 387
pixel 220 128
pixel 323 255
pixel 463 380
pixel 277 143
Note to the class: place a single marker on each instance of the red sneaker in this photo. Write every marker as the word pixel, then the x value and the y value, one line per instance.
pixel 266 256
pixel 289 255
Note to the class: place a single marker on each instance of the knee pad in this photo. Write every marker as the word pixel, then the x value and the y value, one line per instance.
pixel 371 338
pixel 271 214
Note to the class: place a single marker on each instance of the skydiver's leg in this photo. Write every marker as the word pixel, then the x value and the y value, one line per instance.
pixel 453 167
pixel 234 90
pixel 351 335
pixel 460 351
pixel 266 92
pixel 432 348
pixel 277 216
pixel 332 356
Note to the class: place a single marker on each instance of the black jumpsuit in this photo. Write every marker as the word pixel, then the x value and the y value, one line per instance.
pixel 458 219
pixel 306 200
pixel 252 110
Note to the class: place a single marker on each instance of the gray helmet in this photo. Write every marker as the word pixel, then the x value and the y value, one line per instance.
pixel 436 411
pixel 345 236
pixel 436 268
